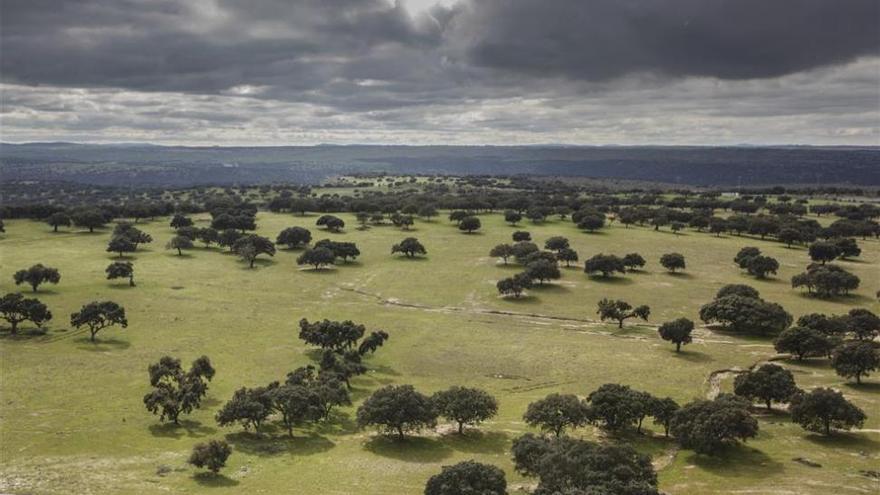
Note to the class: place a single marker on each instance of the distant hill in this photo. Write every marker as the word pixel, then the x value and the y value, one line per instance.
pixel 152 165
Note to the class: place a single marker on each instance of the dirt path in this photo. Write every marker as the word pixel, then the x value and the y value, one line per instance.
pixel 701 334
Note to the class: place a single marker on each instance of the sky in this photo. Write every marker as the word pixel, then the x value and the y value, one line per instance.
pixel 591 72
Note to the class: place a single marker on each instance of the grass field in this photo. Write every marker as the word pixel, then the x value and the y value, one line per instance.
pixel 72 418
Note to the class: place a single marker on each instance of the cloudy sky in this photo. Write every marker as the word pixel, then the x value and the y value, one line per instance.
pixel 425 72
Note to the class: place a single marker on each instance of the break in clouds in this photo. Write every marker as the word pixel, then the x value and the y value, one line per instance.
pixel 480 71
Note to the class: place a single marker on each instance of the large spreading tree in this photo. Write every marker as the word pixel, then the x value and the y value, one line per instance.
pixel 36 276
pixel 99 315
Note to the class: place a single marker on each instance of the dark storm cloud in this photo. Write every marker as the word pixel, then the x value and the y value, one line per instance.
pixel 299 46
pixel 471 71
pixel 728 39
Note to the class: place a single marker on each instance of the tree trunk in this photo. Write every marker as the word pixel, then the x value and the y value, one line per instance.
pixel 678 347
pixel 94 332
pixel 619 323
pixel 179 252
pixel 768 405
pixel 34 287
pixel 400 432
pixel 131 281
pixel 827 426
pixel 460 428
pixel 859 378
pixel 55 228
pixel 252 262
pixel 14 324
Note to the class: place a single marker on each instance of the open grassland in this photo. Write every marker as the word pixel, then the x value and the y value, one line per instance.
pixel 72 418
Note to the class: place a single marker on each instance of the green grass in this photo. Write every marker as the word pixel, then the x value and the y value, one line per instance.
pixel 72 419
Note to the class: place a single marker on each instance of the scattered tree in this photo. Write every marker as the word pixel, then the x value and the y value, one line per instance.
pixel 99 315
pixel 211 455
pixel 677 331
pixel 176 392
pixel 606 264
pixel 250 246
pixel 37 275
pixel 397 408
pixel 768 383
pixel 58 219
pixel 620 311
pixel 503 251
pixel 803 342
pixel 514 285
pixel 317 257
pixel 469 224
pixel 15 309
pixel 556 412
pixel 633 262
pixel 468 477
pixel 824 409
pixel 707 426
pixel 121 269
pixel 179 242
pixel 672 261
pixel 465 406
pixel 409 247
pixel 293 237
pixel 855 359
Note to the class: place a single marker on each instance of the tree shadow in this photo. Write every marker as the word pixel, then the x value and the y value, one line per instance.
pixel 609 280
pixel 871 388
pixel 23 334
pixel 273 440
pixel 326 270
pixel 847 299
pixel 183 256
pixel 186 427
pixel 120 286
pixel 524 299
pixel 411 258
pixel 102 345
pixel 475 441
pixel 258 263
pixel 691 355
pixel 339 423
pixel 738 461
pixel 683 275
pixel 844 440
pixel 214 480
pixel 550 287
pixel 409 449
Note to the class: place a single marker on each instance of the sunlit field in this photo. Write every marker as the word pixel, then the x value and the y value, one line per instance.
pixel 72 418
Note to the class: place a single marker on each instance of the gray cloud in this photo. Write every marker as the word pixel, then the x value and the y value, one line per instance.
pixel 276 71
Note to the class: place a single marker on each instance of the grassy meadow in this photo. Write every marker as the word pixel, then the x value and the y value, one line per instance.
pixel 72 418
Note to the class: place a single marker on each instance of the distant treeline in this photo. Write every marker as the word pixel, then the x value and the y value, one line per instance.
pixel 145 165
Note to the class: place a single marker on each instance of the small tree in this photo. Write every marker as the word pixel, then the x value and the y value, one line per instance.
pixel 410 247
pixel 37 275
pixel 120 245
pixel 672 261
pixel 503 251
pixel 855 359
pixel 616 406
pixel 824 409
pixel 556 412
pixel 633 262
pixel 677 331
pixel 707 426
pixel 251 246
pixel 211 455
pixel 521 236
pixel 90 218
pixel 99 315
pixel 514 285
pixel 58 219
pixel 469 224
pixel 121 269
pixel 556 243
pixel 760 266
pixel 823 252
pixel 294 237
pixel 465 406
pixel 176 392
pixel 317 257
pixel 606 264
pixel 803 342
pixel 542 270
pixel 330 222
pixel 768 383
pixel 468 477
pixel 296 404
pixel 744 255
pixel 663 410
pixel 397 408
pixel 15 309
pixel 620 311
pixel 249 406
pixel 179 242
pixel 512 217
pixel 863 324
pixel 567 255
pixel 179 221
